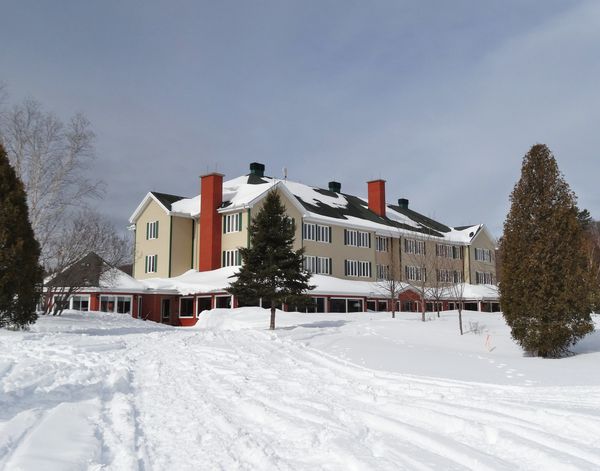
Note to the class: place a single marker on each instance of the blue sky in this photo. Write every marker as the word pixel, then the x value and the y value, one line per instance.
pixel 441 99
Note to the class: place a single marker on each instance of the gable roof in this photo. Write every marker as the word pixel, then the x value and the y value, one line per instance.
pixel 166 199
pixel 318 204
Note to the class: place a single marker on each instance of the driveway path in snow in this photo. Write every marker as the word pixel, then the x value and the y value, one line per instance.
pixel 130 395
pixel 251 400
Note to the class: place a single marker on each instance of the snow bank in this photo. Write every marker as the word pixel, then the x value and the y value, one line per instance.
pixel 323 391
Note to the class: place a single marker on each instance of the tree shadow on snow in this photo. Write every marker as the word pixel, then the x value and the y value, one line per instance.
pixel 589 344
pixel 316 325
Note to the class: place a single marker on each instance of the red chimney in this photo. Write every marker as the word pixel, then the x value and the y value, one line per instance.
pixel 377 197
pixel 209 240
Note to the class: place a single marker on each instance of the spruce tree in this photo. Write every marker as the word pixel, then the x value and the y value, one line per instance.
pixel 271 269
pixel 545 289
pixel 20 272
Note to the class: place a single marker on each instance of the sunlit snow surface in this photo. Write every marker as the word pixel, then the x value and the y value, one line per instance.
pixel 333 392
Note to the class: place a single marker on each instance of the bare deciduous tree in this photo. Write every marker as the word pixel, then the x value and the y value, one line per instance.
pixel 420 266
pixel 52 159
pixel 391 285
pixel 457 294
pixel 88 233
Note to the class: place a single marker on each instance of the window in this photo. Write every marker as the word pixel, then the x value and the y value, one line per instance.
pixel 445 276
pixel 151 263
pixel 357 268
pixel 449 251
pixel 414 246
pixel 232 223
pixel 120 304
pixel 484 255
pixel 223 302
pixel 186 307
pixel 80 302
pixel 231 258
pixel 345 305
pixel 316 232
pixel 203 303
pixel 415 273
pixel 381 243
pixel 319 265
pixel 383 272
pixel 357 238
pixel 165 309
pixel 152 230
pixel 484 278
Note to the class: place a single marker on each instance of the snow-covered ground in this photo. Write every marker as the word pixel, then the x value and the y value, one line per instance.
pixel 324 391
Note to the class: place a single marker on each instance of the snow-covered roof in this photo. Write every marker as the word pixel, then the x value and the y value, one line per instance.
pixel 217 281
pixel 325 206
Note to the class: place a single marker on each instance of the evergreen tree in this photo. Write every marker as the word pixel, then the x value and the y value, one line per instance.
pixel 20 272
pixel 271 269
pixel 545 289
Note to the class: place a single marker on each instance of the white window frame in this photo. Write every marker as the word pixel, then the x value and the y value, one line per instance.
pixel 357 268
pixel 383 272
pixel 316 232
pixel 413 273
pixel 484 278
pixel 187 316
pixel 232 223
pixel 310 264
pixel 152 230
pixel 151 264
pixel 231 258
pixel 84 297
pixel 116 302
pixel 324 265
pixel 356 238
pixel 414 246
pixel 198 304
pixel 483 255
pixel 381 244
pixel 317 265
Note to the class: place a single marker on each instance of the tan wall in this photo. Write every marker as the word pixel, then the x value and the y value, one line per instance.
pixel 482 241
pixel 430 261
pixel 159 246
pixel 181 245
pixel 291 211
pixel 195 244
pixel 340 252
pixel 234 240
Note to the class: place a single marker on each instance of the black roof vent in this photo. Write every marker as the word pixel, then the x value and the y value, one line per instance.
pixel 403 203
pixel 336 187
pixel 257 169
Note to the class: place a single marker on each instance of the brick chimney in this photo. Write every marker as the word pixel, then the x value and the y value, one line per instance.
pixel 377 197
pixel 209 240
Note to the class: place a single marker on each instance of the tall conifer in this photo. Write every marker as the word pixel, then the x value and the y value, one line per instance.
pixel 20 272
pixel 545 288
pixel 271 269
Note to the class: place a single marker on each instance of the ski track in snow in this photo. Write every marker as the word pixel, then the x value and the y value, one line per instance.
pixel 157 398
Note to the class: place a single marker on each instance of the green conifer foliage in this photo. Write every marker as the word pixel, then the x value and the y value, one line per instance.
pixel 545 289
pixel 271 269
pixel 20 272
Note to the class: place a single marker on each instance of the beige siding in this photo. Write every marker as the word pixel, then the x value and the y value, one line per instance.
pixel 291 211
pixel 235 240
pixel 160 246
pixel 181 245
pixel 482 241
pixel 430 261
pixel 339 253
